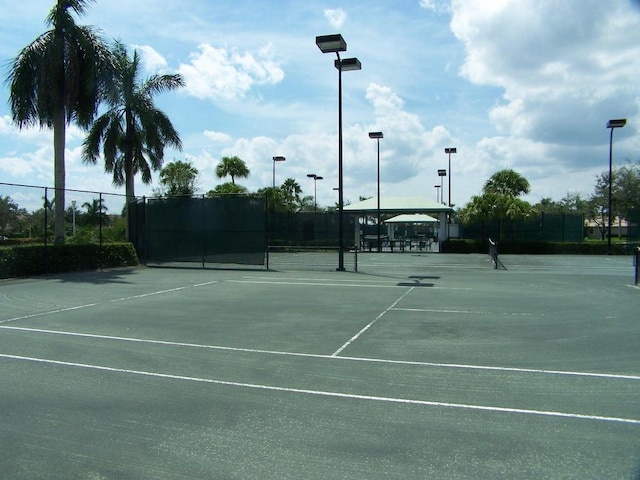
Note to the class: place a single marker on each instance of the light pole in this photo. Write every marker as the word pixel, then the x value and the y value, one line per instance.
pixel 378 136
pixel 442 173
pixel 315 189
pixel 73 207
pixel 336 44
pixel 437 187
pixel 449 151
pixel 276 159
pixel 611 124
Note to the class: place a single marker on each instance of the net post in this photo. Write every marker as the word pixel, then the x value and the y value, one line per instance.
pixel 636 263
pixel 355 258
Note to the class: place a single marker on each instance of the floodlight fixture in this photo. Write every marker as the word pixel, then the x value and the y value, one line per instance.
pixel 348 64
pixel 375 135
pixel 331 43
pixel 617 123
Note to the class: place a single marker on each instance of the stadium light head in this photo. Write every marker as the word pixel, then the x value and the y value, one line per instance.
pixel 331 43
pixel 279 159
pixel 450 150
pixel 375 135
pixel 348 64
pixel 442 172
pixel 617 123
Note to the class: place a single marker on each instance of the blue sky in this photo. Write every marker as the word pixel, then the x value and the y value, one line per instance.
pixel 522 84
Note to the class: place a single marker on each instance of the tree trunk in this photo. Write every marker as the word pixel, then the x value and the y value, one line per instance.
pixel 59 130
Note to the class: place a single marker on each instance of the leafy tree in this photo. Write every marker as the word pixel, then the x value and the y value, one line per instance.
pixel 10 215
pixel 179 178
pixel 133 133
pixel 625 196
pixel 58 79
pixel 307 204
pixel 232 167
pixel 275 199
pixel 499 200
pixel 227 189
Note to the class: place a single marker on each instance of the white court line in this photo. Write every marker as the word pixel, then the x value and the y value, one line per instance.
pixel 115 300
pixel 466 312
pixel 611 376
pixel 357 335
pixel 322 393
pixel 315 280
pixel 276 282
pixel 405 283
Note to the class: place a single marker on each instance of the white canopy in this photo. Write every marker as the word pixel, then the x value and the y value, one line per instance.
pixel 397 205
pixel 414 218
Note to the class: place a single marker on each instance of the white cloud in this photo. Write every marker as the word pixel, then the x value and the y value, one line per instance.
pixel 336 17
pixel 217 137
pixel 435 5
pixel 563 73
pixel 15 166
pixel 218 73
pixel 153 62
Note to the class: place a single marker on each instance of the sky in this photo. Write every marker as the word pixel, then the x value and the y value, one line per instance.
pixel 522 84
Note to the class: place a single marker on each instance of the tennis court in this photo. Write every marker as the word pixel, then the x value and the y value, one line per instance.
pixel 417 366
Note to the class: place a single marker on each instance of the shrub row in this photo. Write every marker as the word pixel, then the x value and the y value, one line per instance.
pixel 24 260
pixel 536 248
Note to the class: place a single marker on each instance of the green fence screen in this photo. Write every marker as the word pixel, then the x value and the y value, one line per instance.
pixel 229 229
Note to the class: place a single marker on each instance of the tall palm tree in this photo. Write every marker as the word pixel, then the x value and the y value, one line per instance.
pixel 133 133
pixel 232 167
pixel 291 190
pixel 58 79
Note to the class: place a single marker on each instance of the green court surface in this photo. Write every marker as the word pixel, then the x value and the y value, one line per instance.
pixel 418 365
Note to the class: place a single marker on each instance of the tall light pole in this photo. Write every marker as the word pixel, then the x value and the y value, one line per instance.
pixel 611 124
pixel 276 159
pixel 449 151
pixel 378 136
pixel 437 187
pixel 73 206
pixel 315 189
pixel 336 44
pixel 442 173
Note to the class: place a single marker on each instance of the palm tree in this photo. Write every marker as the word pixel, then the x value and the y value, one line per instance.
pixel 507 182
pixel 292 191
pixel 179 178
pixel 133 133
pixel 57 79
pixel 96 212
pixel 232 167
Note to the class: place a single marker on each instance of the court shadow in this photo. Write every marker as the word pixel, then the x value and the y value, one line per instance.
pixel 418 281
pixel 115 275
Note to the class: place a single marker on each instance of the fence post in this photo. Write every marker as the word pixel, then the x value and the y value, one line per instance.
pixel 636 263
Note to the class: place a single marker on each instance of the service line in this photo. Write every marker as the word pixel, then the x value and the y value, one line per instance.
pixel 367 327
pixel 459 366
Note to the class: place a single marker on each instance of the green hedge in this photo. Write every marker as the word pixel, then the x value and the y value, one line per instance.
pixel 25 260
pixel 536 248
